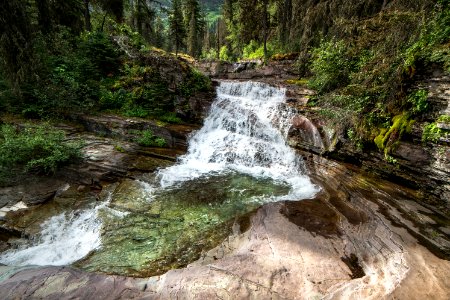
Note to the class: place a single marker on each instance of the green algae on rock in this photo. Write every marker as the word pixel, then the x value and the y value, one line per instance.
pixel 147 231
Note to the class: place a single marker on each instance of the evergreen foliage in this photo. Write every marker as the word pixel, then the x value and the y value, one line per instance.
pixel 361 56
pixel 194 24
pixel 177 27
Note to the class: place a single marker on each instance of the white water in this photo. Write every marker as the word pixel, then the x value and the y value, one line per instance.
pixel 244 132
pixel 63 240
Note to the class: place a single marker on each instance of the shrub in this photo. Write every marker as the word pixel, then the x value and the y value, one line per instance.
pixel 37 149
pixel 210 54
pixel 431 133
pixel 135 111
pixel 147 139
pixel 224 54
pixel 418 100
pixel 195 82
pixel 349 102
pixel 171 118
pixel 432 44
pixel 256 51
pixel 114 99
pixel 331 66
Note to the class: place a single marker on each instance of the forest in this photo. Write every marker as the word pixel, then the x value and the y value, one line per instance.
pixel 362 57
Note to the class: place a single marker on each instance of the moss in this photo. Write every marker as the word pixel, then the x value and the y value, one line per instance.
pixel 380 137
pixel 119 148
pixel 186 57
pixel 284 56
pixel 300 82
pixel 387 139
pixel 444 119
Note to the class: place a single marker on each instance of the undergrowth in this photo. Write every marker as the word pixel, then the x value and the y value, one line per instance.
pixel 148 139
pixel 34 149
pixel 364 80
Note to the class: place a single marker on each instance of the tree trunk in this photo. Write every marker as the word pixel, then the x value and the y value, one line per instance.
pixel 87 16
pixel 218 39
pixel 103 22
pixel 139 16
pixel 44 18
pixel 265 25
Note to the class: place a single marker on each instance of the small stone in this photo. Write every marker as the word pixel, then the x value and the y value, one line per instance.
pixel 443 126
pixel 82 188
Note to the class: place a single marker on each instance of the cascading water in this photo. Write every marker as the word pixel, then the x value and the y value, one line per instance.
pixel 245 132
pixel 64 239
pixel 236 162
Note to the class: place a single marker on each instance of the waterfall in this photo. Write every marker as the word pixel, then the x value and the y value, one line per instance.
pixel 64 238
pixel 244 132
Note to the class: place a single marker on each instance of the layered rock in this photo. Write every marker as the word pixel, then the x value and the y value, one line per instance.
pixel 342 244
pixel 247 70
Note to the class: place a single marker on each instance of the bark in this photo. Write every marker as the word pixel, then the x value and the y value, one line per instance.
pixel 265 25
pixel 87 16
pixel 44 18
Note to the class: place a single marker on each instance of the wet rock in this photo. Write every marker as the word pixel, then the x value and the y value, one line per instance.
pixel 315 216
pixel 106 159
pixel 152 231
pixel 127 129
pixel 351 250
pixel 247 70
pixel 413 153
pixel 304 133
pixel 35 190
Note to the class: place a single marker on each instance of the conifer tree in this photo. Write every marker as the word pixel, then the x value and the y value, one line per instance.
pixel 87 16
pixel 176 26
pixel 195 26
pixel 159 40
pixel 15 42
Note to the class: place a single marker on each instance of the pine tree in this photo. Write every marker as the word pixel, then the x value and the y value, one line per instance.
pixel 16 49
pixel 87 16
pixel 68 13
pixel 159 39
pixel 195 26
pixel 177 29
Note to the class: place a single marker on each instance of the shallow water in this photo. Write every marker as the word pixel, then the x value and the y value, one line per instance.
pixel 236 162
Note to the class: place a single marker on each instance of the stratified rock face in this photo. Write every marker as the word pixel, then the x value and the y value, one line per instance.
pixel 422 165
pixel 340 245
pixel 247 70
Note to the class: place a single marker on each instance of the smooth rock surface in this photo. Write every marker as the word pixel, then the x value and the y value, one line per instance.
pixel 341 245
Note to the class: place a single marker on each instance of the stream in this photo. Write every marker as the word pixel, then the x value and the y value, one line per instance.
pixel 238 161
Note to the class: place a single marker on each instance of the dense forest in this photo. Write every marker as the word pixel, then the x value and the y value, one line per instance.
pixel 362 57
